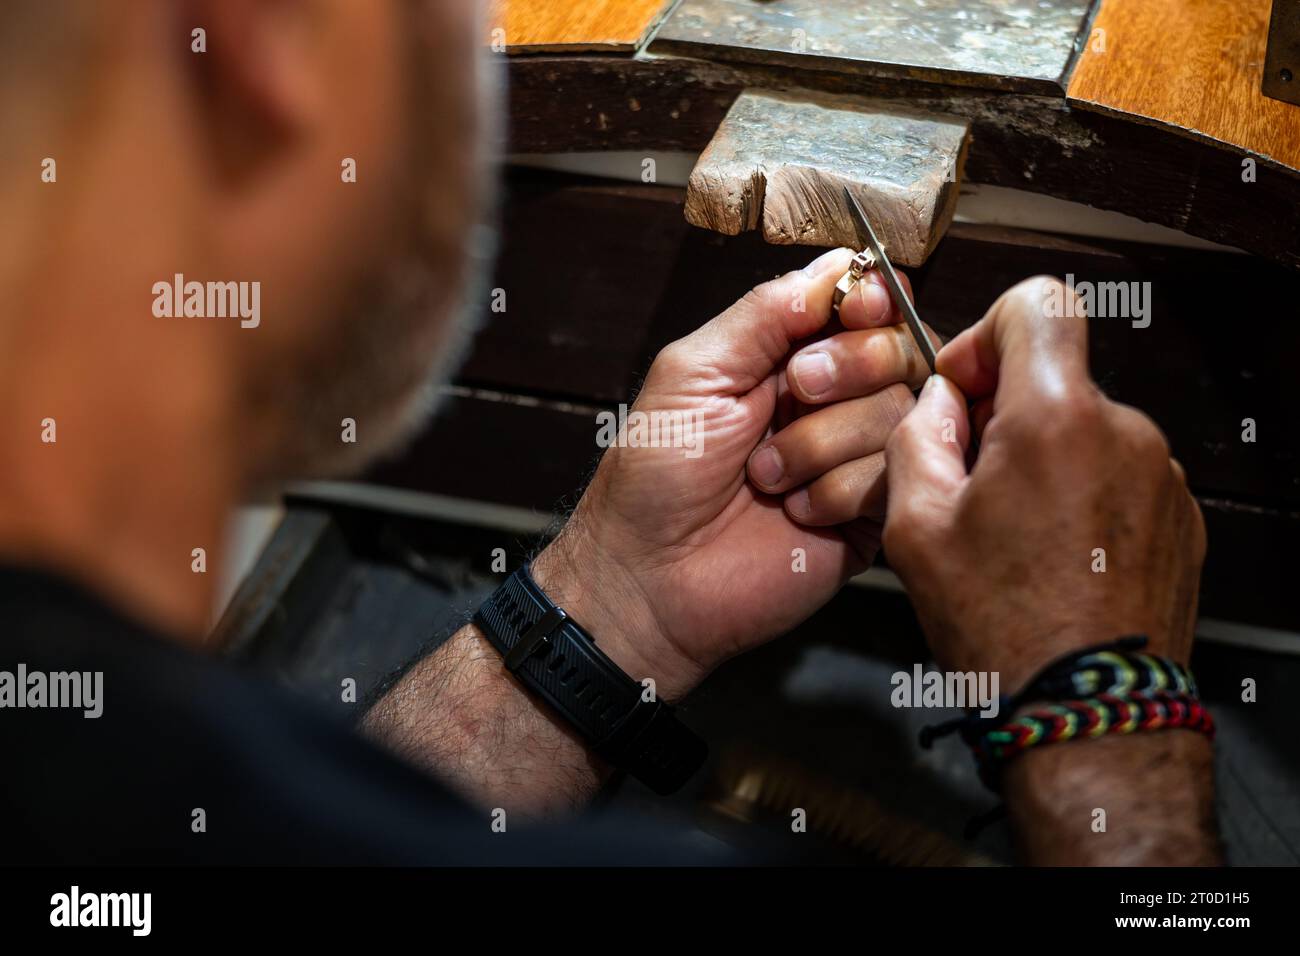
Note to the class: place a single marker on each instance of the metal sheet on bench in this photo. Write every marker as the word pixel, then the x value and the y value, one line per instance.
pixel 1024 45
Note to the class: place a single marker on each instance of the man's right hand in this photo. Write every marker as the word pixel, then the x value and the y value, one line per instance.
pixel 1074 525
pixel 1004 563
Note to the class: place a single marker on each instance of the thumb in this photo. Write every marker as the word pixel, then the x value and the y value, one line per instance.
pixel 925 459
pixel 749 341
pixel 1030 344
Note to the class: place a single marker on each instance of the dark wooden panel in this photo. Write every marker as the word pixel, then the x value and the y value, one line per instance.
pixel 590 312
pixel 494 449
pixel 540 457
pixel 581 273
pixel 1191 369
pixel 1250 564
pixel 521 428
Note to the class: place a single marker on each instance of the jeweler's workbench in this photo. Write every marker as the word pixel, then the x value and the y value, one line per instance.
pixel 930 115
pixel 1147 107
pixel 1151 108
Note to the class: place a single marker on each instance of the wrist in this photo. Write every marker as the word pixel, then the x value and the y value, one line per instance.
pixel 460 716
pixel 603 596
pixel 1018 661
pixel 1053 794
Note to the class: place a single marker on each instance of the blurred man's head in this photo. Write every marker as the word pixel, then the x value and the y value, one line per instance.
pixel 228 156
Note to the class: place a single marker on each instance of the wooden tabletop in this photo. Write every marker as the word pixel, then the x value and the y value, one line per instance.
pixel 574 26
pixel 1158 113
pixel 1191 67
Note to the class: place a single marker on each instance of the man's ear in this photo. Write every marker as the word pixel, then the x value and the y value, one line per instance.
pixel 260 66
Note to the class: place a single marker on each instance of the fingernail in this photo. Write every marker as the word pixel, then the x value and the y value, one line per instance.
pixel 930 382
pixel 765 466
pixel 874 299
pixel 798 503
pixel 820 264
pixel 814 373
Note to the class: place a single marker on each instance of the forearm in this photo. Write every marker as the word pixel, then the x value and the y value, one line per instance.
pixel 460 716
pixel 463 718
pixel 1156 791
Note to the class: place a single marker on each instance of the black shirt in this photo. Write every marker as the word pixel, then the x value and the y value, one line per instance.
pixel 277 781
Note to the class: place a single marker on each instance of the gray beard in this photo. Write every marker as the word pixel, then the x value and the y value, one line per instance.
pixel 407 332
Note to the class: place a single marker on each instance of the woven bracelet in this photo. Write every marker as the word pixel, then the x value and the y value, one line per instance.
pixel 1082 719
pixel 1107 689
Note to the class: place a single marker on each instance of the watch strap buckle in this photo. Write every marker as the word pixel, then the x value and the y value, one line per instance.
pixel 534 638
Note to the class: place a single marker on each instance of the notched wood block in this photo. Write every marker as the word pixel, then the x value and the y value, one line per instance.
pixel 780 161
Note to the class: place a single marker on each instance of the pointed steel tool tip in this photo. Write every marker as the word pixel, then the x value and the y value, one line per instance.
pixel 868 237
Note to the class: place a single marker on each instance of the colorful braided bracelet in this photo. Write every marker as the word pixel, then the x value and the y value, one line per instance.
pixel 1108 689
pixel 1114 668
pixel 1086 718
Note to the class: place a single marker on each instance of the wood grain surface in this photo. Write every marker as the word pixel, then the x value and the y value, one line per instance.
pixel 1024 45
pixel 1194 66
pixel 781 162
pixel 574 26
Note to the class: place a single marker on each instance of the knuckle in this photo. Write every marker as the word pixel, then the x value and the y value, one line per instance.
pixel 811 443
pixel 875 356
pixel 1082 408
pixel 1145 442
pixel 1033 299
pixel 1040 289
pixel 672 357
pixel 1068 415
pixel 1042 284
pixel 1153 444
pixel 896 402
pixel 828 500
pixel 761 296
pixel 1028 296
pixel 888 409
pixel 1180 474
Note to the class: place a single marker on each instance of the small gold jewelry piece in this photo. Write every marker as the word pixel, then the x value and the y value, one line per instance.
pixel 861 263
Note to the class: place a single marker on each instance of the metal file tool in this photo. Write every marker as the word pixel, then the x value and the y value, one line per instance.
pixel 868 236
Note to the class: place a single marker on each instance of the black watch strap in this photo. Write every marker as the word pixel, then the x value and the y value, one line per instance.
pixel 555 658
